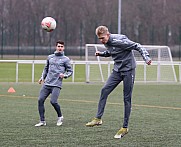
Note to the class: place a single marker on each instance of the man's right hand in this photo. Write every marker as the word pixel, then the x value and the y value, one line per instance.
pixel 40 81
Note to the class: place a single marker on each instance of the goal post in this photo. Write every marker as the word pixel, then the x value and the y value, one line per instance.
pixel 161 70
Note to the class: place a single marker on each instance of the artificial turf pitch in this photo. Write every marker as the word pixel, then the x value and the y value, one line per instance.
pixel 155 119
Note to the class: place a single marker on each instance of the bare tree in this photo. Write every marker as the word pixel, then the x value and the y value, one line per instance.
pixel 147 21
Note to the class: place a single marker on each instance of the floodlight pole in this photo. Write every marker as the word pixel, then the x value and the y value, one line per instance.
pixel 119 16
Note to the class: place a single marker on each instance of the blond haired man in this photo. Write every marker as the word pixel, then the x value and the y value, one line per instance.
pixel 120 48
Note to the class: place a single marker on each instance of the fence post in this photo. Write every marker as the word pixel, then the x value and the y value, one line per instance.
pixel 73 75
pixel 179 42
pixel 145 72
pixel 179 72
pixel 18 37
pixel 17 72
pixel 81 39
pixel 2 40
pixel 87 72
pixel 34 40
pixel 152 34
pixel 166 35
pixel 158 66
pixel 33 71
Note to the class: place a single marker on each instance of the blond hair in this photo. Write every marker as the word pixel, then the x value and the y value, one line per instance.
pixel 102 30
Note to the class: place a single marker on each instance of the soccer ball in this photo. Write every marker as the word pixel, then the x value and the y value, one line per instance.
pixel 48 24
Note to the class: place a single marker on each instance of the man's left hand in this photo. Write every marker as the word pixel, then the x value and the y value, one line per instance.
pixel 61 75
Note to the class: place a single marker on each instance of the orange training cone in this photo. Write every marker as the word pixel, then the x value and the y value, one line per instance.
pixel 11 90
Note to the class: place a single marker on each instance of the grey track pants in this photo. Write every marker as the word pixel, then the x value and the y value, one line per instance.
pixel 114 79
pixel 44 93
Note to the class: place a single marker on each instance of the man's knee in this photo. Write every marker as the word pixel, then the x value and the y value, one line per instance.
pixel 105 90
pixel 53 102
pixel 41 101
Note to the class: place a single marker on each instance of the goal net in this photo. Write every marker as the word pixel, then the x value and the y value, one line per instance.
pixel 162 69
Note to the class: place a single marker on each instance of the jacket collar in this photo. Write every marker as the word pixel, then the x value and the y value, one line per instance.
pixel 58 53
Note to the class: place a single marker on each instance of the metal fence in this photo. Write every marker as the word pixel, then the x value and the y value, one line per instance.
pixel 17 40
pixel 91 75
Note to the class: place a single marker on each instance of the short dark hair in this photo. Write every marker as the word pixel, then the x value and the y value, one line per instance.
pixel 59 42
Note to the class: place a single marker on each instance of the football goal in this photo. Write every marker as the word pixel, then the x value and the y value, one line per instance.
pixel 161 70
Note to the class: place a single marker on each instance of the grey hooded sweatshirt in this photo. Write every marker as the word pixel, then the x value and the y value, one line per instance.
pixel 56 64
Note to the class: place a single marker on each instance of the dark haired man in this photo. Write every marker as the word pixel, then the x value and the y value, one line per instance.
pixel 57 67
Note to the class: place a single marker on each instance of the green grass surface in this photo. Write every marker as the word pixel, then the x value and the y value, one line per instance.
pixel 155 119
